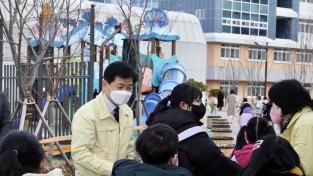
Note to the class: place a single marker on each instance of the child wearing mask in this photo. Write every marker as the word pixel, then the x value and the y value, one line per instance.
pixel 182 110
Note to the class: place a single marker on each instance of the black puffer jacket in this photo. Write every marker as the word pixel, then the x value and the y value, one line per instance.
pixel 198 154
pixel 127 167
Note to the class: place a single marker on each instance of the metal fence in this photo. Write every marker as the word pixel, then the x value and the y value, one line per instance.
pixel 72 93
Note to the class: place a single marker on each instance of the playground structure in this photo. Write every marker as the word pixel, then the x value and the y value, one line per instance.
pixel 166 73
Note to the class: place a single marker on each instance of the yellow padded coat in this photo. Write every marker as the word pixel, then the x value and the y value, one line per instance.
pixel 299 133
pixel 98 140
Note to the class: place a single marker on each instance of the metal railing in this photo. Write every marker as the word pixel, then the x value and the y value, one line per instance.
pixel 72 93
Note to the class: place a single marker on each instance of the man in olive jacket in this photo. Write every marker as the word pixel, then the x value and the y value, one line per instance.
pixel 5 118
pixel 102 129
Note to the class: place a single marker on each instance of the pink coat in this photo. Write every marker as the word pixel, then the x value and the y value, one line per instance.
pixel 243 156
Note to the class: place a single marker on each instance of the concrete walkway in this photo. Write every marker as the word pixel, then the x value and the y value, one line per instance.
pixel 234 122
pixel 223 113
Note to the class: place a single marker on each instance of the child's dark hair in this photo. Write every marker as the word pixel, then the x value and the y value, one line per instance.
pixel 273 155
pixel 157 144
pixel 182 92
pixel 243 106
pixel 20 153
pixel 121 69
pixel 255 129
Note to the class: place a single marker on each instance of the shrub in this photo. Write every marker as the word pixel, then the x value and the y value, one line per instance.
pixel 214 92
pixel 202 87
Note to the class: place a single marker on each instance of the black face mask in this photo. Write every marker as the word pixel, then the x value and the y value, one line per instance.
pixel 199 111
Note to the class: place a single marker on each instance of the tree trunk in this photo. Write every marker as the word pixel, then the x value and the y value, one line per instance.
pixel 52 126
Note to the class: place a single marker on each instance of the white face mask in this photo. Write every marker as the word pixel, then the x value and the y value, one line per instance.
pixel 120 97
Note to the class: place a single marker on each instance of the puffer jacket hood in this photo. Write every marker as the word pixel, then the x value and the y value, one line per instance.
pixel 248 110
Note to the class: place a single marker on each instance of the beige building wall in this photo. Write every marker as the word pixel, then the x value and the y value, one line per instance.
pixel 213 53
pixel 214 59
pixel 212 84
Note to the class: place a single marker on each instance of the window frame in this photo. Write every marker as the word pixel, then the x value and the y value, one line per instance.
pixel 279 54
pixel 226 86
pixel 304 54
pixel 256 51
pixel 200 14
pixel 255 85
pixel 228 50
pixel 228 14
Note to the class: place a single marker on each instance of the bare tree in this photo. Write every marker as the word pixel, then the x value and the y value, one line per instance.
pixel 231 72
pixel 133 14
pixel 254 66
pixel 300 66
pixel 18 19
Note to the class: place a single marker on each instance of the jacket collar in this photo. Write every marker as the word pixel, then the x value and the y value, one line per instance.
pixel 104 111
pixel 298 114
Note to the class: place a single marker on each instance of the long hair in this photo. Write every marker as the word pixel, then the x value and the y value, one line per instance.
pixel 255 129
pixel 272 156
pixel 240 140
pixel 258 127
pixel 181 93
pixel 20 153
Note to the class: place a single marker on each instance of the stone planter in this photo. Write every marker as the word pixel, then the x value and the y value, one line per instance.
pixel 221 126
pixel 222 139
pixel 219 119
pixel 209 120
pixel 220 123
pixel 225 132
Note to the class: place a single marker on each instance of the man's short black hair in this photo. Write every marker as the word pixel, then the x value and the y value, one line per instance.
pixel 121 69
pixel 157 144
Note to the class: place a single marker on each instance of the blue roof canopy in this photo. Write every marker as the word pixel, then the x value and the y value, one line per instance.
pixel 157 21
pixel 82 33
pixel 157 32
pixel 56 43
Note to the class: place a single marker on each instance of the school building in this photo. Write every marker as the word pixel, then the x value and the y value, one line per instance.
pixel 242 34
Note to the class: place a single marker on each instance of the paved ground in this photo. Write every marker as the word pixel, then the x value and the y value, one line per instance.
pixel 234 122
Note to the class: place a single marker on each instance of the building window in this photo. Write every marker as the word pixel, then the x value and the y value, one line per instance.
pixel 200 13
pixel 282 55
pixel 227 4
pixel 257 54
pixel 230 51
pixel 248 17
pixel 306 26
pixel 229 85
pixel 304 56
pixel 308 1
pixel 255 89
